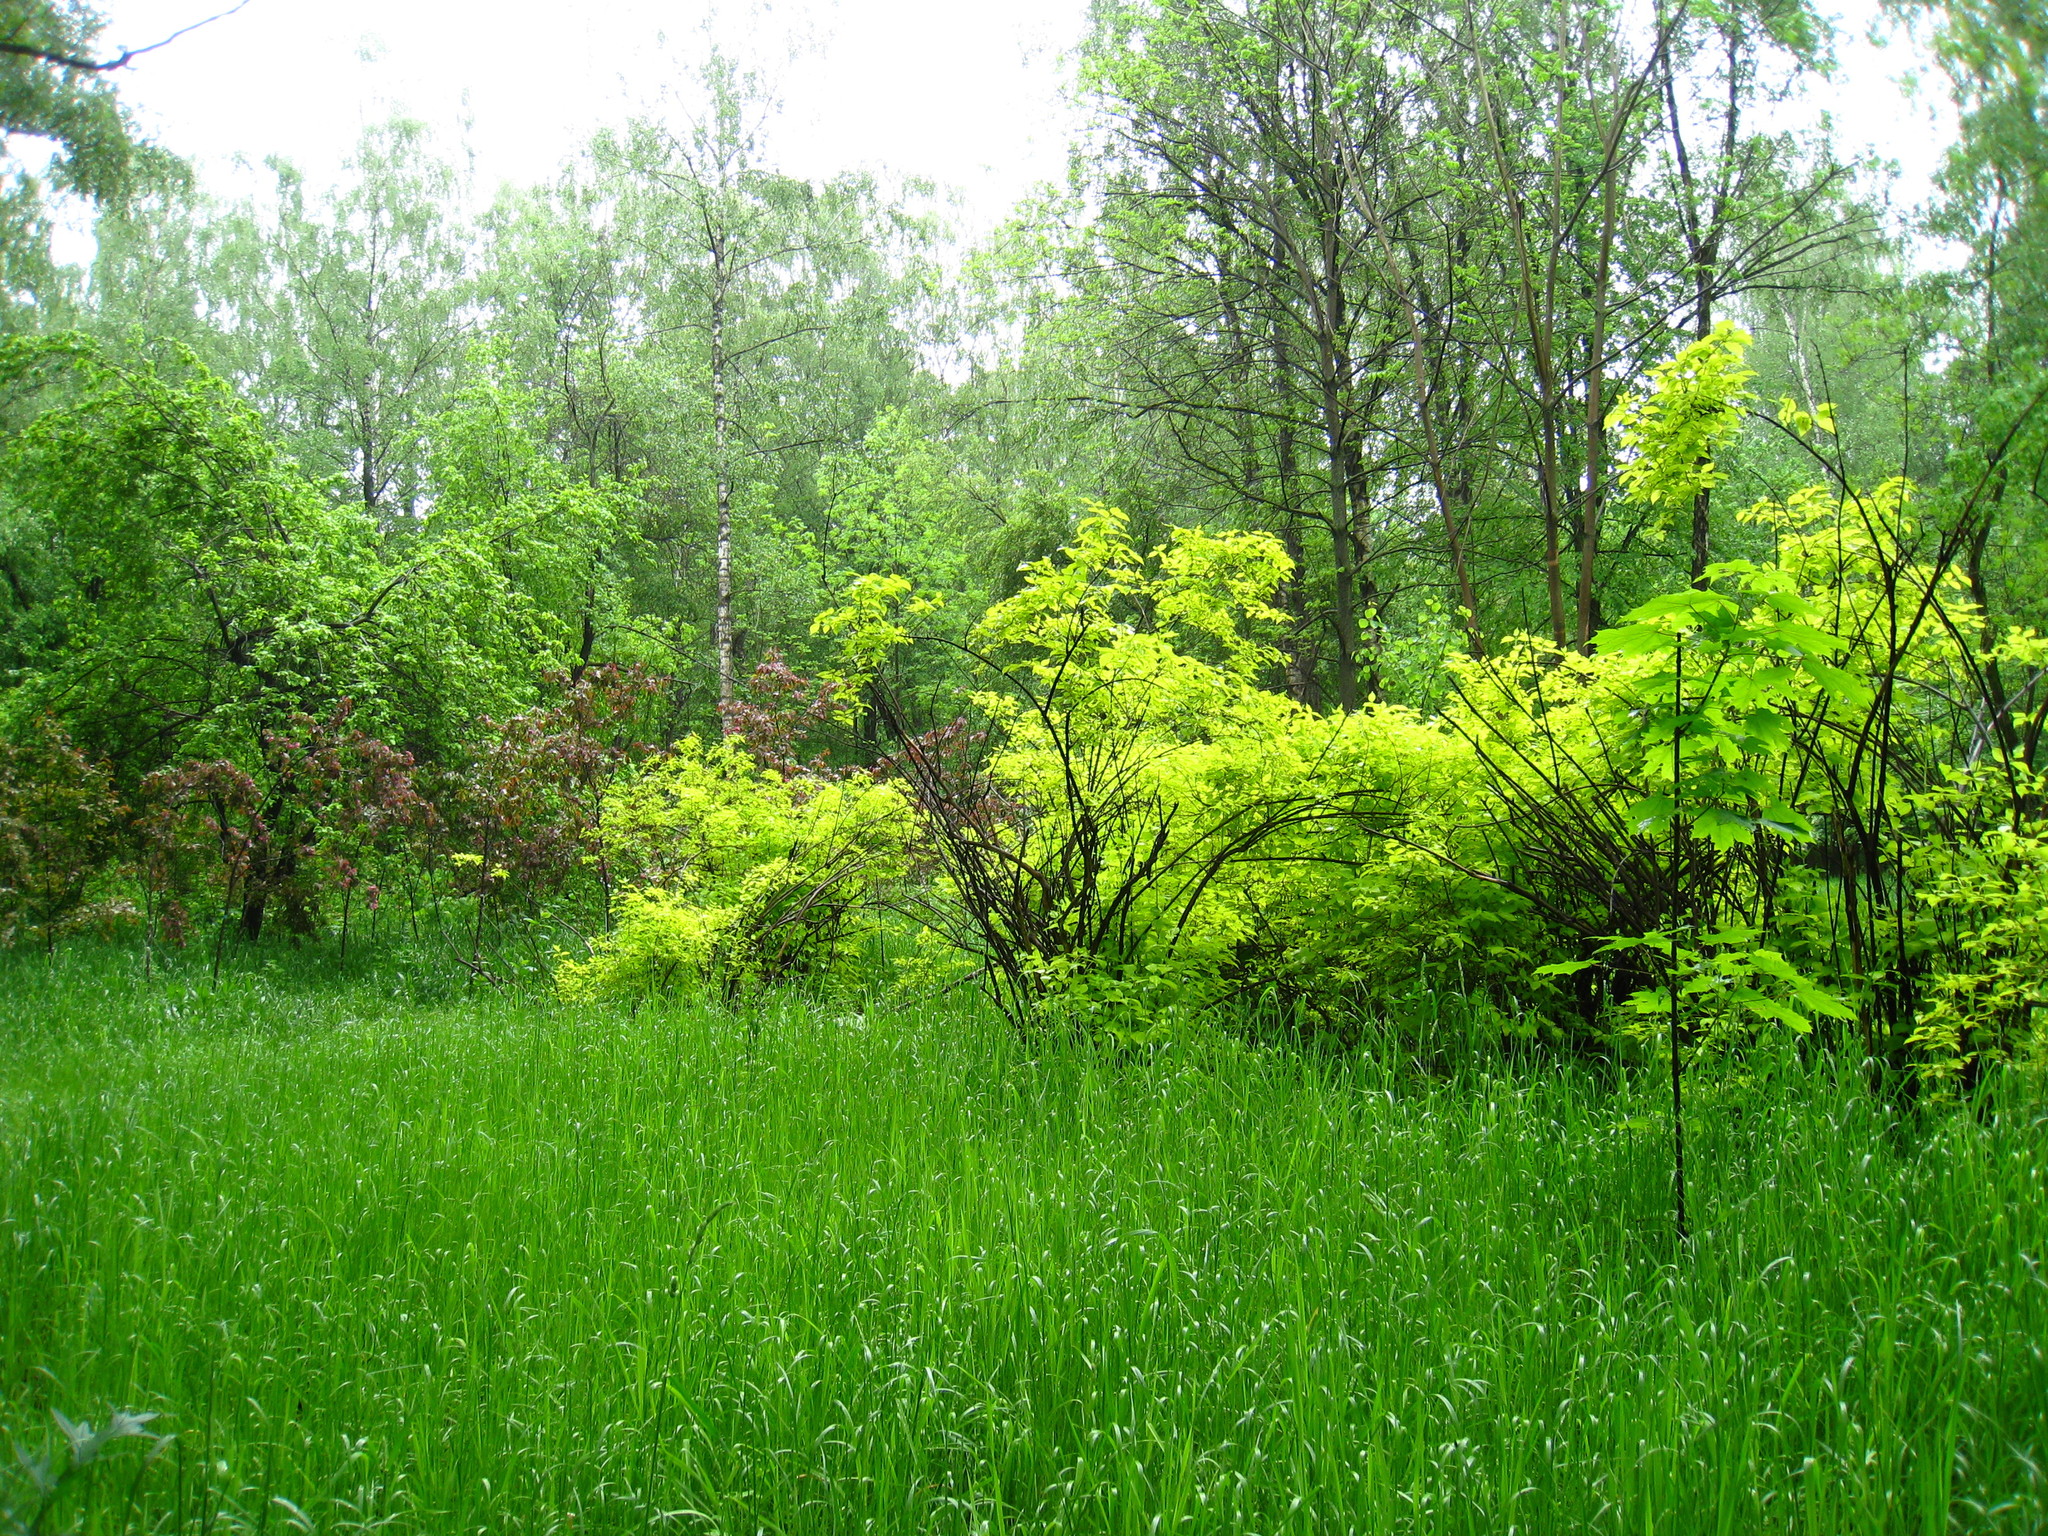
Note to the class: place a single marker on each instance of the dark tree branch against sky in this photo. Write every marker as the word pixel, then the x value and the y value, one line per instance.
pixel 72 60
pixel 54 87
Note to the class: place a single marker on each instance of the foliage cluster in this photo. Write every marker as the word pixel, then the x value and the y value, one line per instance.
pixel 1737 810
pixel 614 578
pixel 740 876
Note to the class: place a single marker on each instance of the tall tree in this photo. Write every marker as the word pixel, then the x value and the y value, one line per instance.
pixel 1244 145
pixel 363 327
pixel 1993 200
pixel 1751 217
pixel 1413 254
pixel 770 299
pixel 343 314
pixel 56 88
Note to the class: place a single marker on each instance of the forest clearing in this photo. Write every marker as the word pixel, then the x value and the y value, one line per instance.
pixel 1339 827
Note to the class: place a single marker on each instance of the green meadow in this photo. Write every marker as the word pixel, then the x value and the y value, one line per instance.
pixel 385 1254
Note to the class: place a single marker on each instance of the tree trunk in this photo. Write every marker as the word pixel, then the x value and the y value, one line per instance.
pixel 1451 511
pixel 1593 496
pixel 1300 655
pixel 1300 663
pixel 1703 501
pixel 722 637
pixel 1538 316
pixel 1703 242
pixel 1344 610
pixel 1334 364
pixel 587 645
pixel 253 904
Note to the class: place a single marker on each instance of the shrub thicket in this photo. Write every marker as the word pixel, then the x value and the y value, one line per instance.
pixel 1763 802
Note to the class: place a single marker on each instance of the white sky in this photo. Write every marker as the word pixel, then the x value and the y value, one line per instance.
pixel 964 92
pixel 958 91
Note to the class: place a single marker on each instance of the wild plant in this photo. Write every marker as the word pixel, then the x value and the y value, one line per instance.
pixel 39 1481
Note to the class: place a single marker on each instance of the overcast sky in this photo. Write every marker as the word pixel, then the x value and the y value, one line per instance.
pixel 964 92
pixel 959 91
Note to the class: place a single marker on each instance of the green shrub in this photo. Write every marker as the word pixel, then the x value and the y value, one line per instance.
pixel 1150 829
pixel 1988 996
pixel 736 878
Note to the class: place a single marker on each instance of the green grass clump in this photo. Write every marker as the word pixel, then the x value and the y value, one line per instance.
pixel 383 1256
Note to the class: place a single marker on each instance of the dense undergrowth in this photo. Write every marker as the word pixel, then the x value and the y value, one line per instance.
pixel 1790 797
pixel 385 1252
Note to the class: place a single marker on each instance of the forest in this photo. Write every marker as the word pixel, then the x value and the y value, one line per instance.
pixel 1345 834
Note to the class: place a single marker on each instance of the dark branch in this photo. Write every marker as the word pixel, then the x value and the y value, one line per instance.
pixel 126 56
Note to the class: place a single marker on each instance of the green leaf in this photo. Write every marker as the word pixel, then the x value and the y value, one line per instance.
pixel 1729 935
pixel 1768 732
pixel 1836 682
pixel 1781 820
pixel 1803 639
pixel 1652 813
pixel 1634 640
pixel 1721 827
pixel 1771 963
pixel 1766 1008
pixel 1818 999
pixel 1693 602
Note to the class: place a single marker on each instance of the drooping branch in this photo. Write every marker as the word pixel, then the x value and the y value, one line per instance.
pixel 120 60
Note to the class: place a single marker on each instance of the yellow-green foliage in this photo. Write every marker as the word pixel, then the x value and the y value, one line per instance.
pixel 1647 795
pixel 1966 917
pixel 1693 409
pixel 1296 852
pixel 1253 844
pixel 737 878
pixel 1153 827
pixel 1989 997
pixel 1580 784
pixel 1243 842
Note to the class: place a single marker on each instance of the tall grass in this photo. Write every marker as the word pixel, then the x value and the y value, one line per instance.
pixel 387 1256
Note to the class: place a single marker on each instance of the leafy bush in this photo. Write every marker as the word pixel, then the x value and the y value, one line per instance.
pixel 527 810
pixel 1149 828
pixel 328 799
pixel 779 712
pixel 1988 997
pixel 734 877
pixel 60 833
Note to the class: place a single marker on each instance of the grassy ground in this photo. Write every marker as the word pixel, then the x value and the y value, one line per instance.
pixel 387 1257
